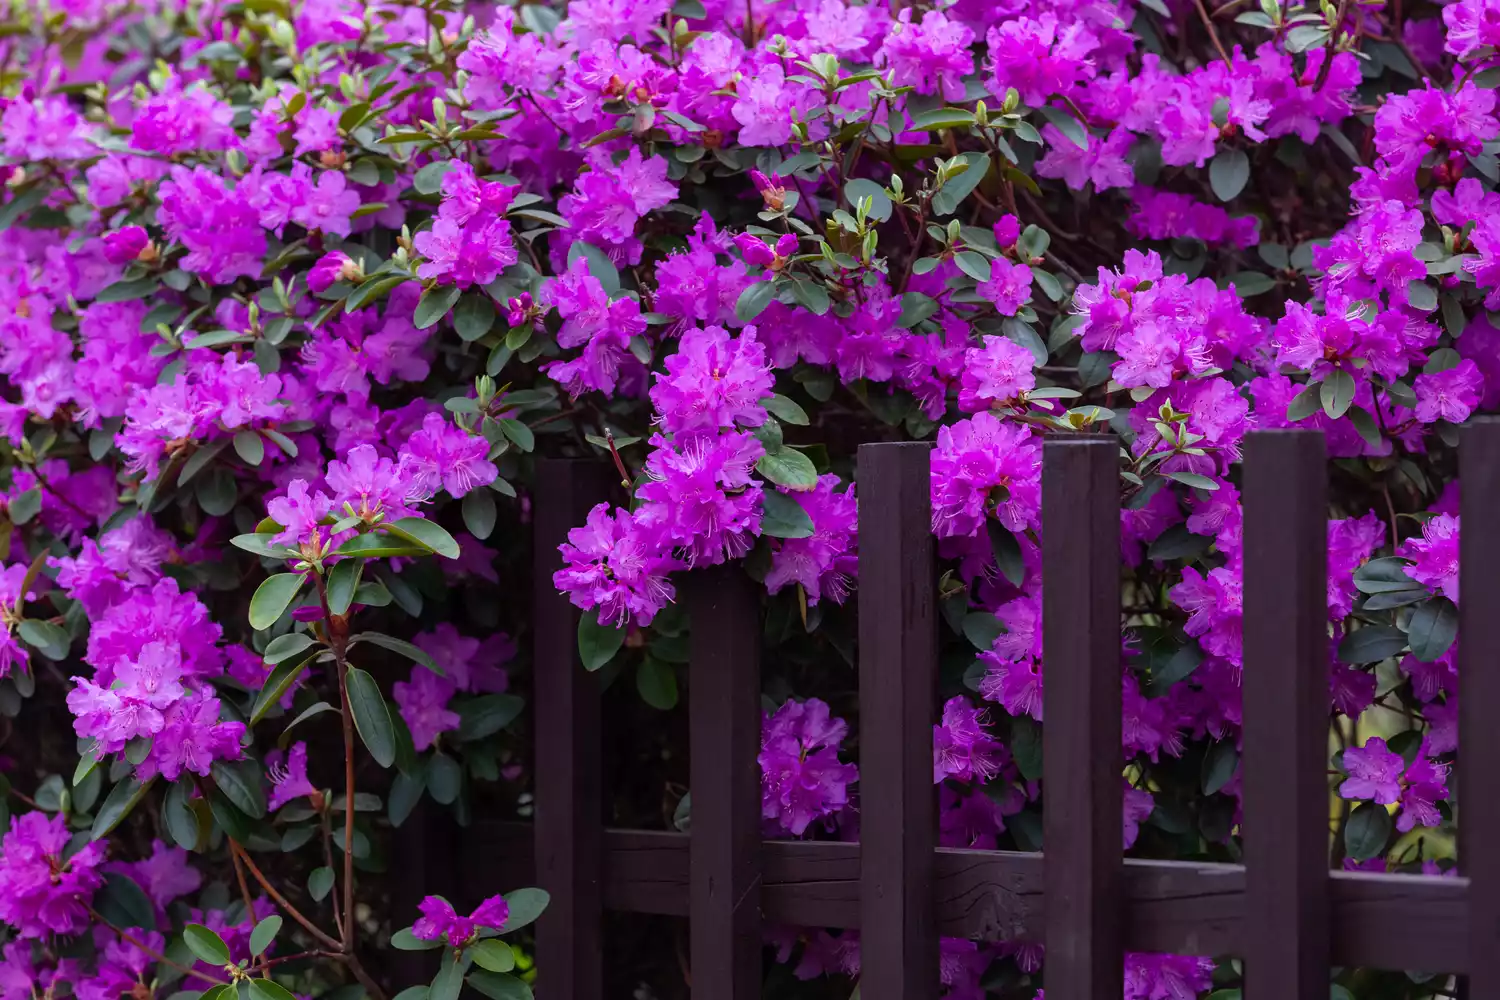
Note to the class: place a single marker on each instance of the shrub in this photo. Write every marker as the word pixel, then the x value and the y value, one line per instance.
pixel 297 291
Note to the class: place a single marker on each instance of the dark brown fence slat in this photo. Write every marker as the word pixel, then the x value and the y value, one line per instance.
pixel 1286 716
pixel 897 707
pixel 1082 761
pixel 724 742
pixel 1479 673
pixel 569 793
pixel 1174 907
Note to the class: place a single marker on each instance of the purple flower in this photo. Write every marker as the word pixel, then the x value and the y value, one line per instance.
pixel 603 328
pixel 764 106
pixel 609 199
pixel 1435 555
pixel 368 486
pixel 961 748
pixel 983 466
pixel 423 702
pixel 1449 395
pixel 298 513
pixel 192 738
pixel 1139 805
pixel 801 777
pixel 826 562
pixel 473 253
pixel 289 781
pixel 1351 542
pixel 1008 287
pixel 714 382
pixel 442 454
pixel 440 922
pixel 998 372
pixel 1013 676
pixel 330 268
pixel 701 498
pixel 44 129
pixel 1473 25
pixel 121 246
pixel 1374 772
pixel 1425 783
pixel 1040 57
pixel 618 565
pixel 931 56
pixel 44 890
pixel 217 224
pixel 1215 606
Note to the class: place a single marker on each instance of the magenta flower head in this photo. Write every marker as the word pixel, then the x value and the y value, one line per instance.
pixel 771 192
pixel 333 267
pixel 1007 231
pixel 440 922
pixel 43 890
pixel 755 250
pixel 125 245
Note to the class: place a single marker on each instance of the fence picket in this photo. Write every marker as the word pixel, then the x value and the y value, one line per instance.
pixel 1285 739
pixel 897 700
pixel 1082 760
pixel 724 743
pixel 569 790
pixel 1479 673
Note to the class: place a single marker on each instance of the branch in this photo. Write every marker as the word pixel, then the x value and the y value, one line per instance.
pixel 152 953
pixel 281 901
pixel 1213 33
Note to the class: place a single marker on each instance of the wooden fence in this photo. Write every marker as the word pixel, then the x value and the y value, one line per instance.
pixel 1283 912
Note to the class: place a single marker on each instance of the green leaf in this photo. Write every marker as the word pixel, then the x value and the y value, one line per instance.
pixel 788 467
pixel 198 459
pixel 319 882
pixel 426 534
pixel 517 433
pixel 487 714
pixel 1383 575
pixel 52 641
pixel 474 316
pixel 1432 629
pixel 122 798
pixel 25 506
pixel 1422 296
pixel 1371 644
pixel 956 189
pixel 265 932
pixel 1026 746
pixel 788 411
pixel 372 717
pixel 315 709
pixel 284 647
pixel 1069 126
pixel 406 792
pixel 656 683
pixel 783 517
pixel 401 646
pixel 1337 392
pixel 429 180
pixel 279 683
pixel 1228 173
pixel 123 903
pixel 1367 831
pixel 981 628
pixel 597 644
pixel 525 906
pixel 405 940
pixel 444 778
pixel 1219 765
pixel 975 265
pixel 496 956
pixel 269 989
pixel 479 513
pixel 250 447
pixel 434 305
pixel 379 545
pixel 915 307
pixel 1007 552
pixel 880 203
pixel 179 818
pixel 240 783
pixel 1251 283
pixel 600 266
pixel 343 581
pixel 207 945
pixel 754 299
pixel 940 118
pixel 217 492
pixel 125 291
pixel 272 598
pixel 1192 479
pixel 499 985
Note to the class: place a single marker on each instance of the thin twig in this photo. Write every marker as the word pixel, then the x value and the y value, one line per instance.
pixel 1213 33
pixel 152 953
pixel 281 901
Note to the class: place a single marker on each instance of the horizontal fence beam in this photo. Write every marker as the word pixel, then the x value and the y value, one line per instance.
pixel 1176 907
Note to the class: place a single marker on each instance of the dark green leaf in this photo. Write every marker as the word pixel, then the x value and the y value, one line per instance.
pixel 250 447
pixel 1432 629
pixel 600 266
pixel 788 411
pixel 656 683
pixel 754 299
pixel 52 641
pixel 378 545
pixel 1379 576
pixel 525 906
pixel 783 517
pixel 319 882
pixel 123 903
pixel 1069 126
pixel 956 189
pixel 25 506
pixel 1006 549
pixel 284 647
pixel 880 202
pixel 597 644
pixel 240 782
pixel 272 598
pixel 1372 643
pixel 343 581
pixel 425 533
pixel 207 945
pixel 401 646
pixel 1337 392
pixel 265 932
pixel 444 778
pixel 279 683
pixel 1219 765
pixel 495 956
pixel 434 305
pixel 429 180
pixel 487 714
pixel 479 513
pixel 372 717
pixel 1367 831
pixel 1026 746
pixel 788 467
pixel 499 985
pixel 1228 173
pixel 406 792
pixel 269 989
pixel 981 628
pixel 121 799
pixel 404 940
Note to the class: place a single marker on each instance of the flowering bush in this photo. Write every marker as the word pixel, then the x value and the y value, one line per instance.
pixel 297 289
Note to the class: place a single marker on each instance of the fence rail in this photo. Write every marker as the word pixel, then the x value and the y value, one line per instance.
pixel 1284 912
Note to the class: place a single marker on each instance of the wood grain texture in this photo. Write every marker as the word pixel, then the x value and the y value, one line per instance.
pixel 897 707
pixel 1082 760
pixel 1479 666
pixel 1285 795
pixel 569 793
pixel 724 736
pixel 1176 907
